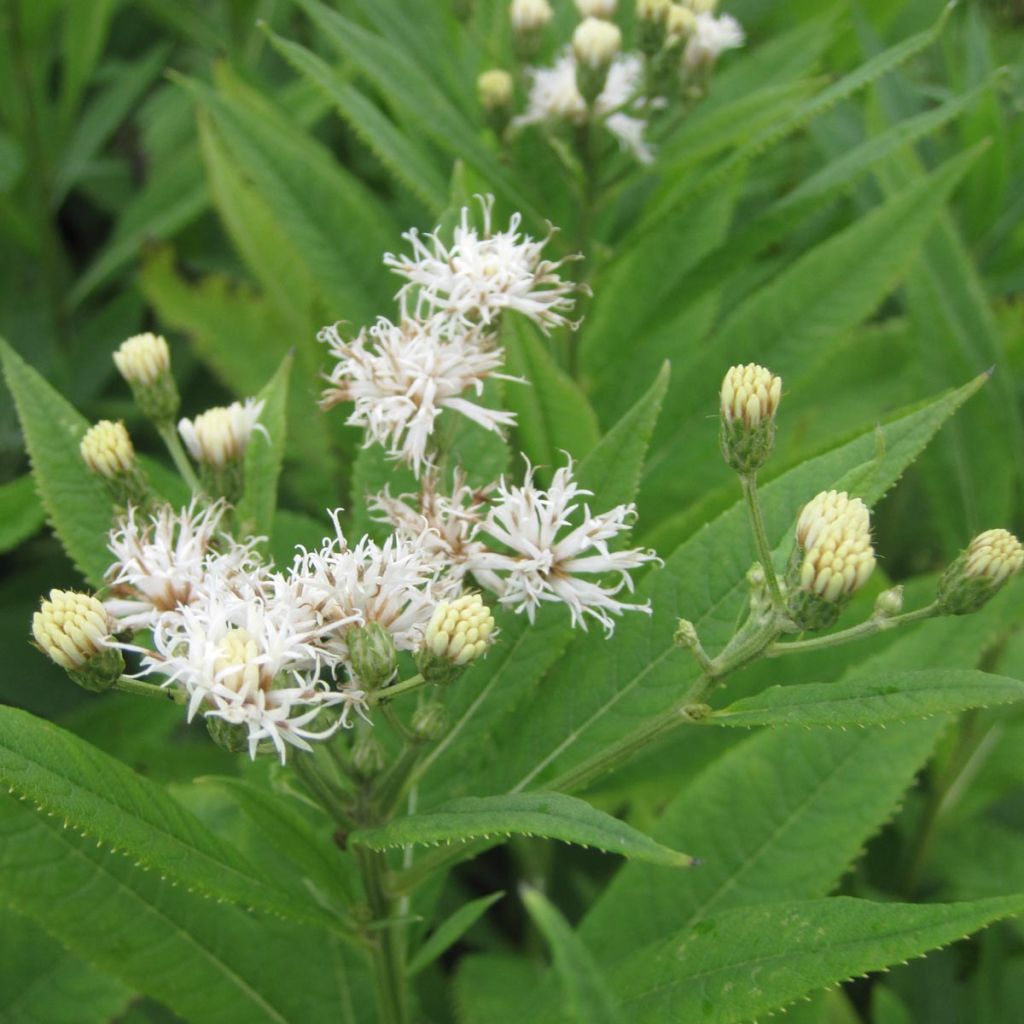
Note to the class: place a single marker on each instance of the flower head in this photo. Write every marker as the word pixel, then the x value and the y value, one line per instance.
pixel 749 400
pixel 536 554
pixel 482 273
pixel 595 42
pixel 221 435
pixel 143 359
pixel 459 632
pixel 988 563
pixel 494 88
pixel 71 628
pixel 555 96
pixel 530 16
pixel 163 561
pixel 825 510
pixel 596 8
pixel 400 378
pixel 710 38
pixel 107 450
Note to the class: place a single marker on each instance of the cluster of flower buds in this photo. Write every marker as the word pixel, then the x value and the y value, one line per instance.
pixel 74 630
pixel 145 363
pixel 980 572
pixel 833 558
pixel 750 398
pixel 107 450
pixel 459 632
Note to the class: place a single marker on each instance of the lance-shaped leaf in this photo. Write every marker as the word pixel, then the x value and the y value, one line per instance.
pixel 77 506
pixel 98 796
pixel 873 700
pixel 547 815
pixel 746 962
pixel 450 931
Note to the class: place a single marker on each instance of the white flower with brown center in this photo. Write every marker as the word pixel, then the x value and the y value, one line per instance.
pixel 481 273
pixel 537 554
pixel 401 377
pixel 162 562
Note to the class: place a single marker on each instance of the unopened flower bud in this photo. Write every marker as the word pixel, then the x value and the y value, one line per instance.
pixel 368 755
pixel 529 19
pixel 749 397
pixel 889 603
pixel 980 572
pixel 145 363
pixel 107 450
pixel 217 439
pixel 595 44
pixel 372 654
pixel 430 721
pixel 686 635
pixel 74 631
pixel 702 6
pixel 679 24
pixel 596 8
pixel 651 25
pixel 230 736
pixel 459 632
pixel 833 558
pixel 494 89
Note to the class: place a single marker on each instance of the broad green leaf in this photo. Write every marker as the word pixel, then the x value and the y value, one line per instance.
pixel 585 992
pixel 450 931
pixel 194 955
pixel 41 983
pixel 84 32
pixel 21 515
pixel 98 796
pixel 264 456
pixel 745 962
pixel 871 700
pixel 548 815
pixel 491 690
pixel 552 415
pixel 602 691
pixel 396 150
pixel 498 989
pixel 76 503
pixel 789 323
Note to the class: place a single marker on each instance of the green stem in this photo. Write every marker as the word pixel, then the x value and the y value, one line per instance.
pixel 764 552
pixel 868 628
pixel 141 689
pixel 170 438
pixel 322 789
pixel 390 692
pixel 390 787
pixel 387 952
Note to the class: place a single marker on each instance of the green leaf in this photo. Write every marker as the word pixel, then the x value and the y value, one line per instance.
pixel 40 983
pixel 604 690
pixel 395 149
pixel 491 690
pixel 450 931
pixel 196 956
pixel 76 503
pixel 21 515
pixel 745 962
pixel 585 992
pixel 891 697
pixel 553 415
pixel 98 796
pixel 264 456
pixel 548 815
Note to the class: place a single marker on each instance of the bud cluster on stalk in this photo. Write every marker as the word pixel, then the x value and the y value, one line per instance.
pixel 749 397
pixel 459 632
pixel 73 630
pixel 107 451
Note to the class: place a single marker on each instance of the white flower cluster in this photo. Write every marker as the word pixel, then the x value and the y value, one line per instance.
pixel 527 545
pixel 401 376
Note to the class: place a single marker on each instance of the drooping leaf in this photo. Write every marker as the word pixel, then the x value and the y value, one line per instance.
pixel 97 796
pixel 745 962
pixel 548 815
pixel 77 505
pixel 871 700
pixel 450 931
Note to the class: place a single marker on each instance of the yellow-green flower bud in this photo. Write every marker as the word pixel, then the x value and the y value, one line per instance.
pixel 980 572
pixel 494 89
pixel 596 8
pixel 430 721
pixel 368 756
pixel 833 558
pixel 372 654
pixel 702 6
pixel 145 363
pixel 217 439
pixel 679 24
pixel 889 603
pixel 107 450
pixel 651 25
pixel 230 736
pixel 459 632
pixel 529 19
pixel 749 398
pixel 74 631
pixel 595 44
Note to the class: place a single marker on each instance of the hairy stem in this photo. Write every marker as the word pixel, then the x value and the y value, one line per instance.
pixel 390 692
pixel 174 447
pixel 141 689
pixel 387 951
pixel 864 629
pixel 764 552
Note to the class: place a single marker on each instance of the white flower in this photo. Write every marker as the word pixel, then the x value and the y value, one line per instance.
pixel 442 525
pixel 221 435
pixel 143 359
pixel 596 42
pixel 393 584
pixel 163 562
pixel 554 96
pixel 711 37
pixel 252 660
pixel 530 15
pixel 480 274
pixel 401 376
pixel 545 557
